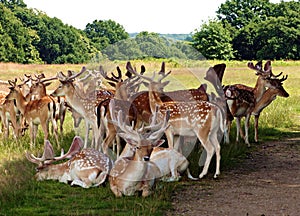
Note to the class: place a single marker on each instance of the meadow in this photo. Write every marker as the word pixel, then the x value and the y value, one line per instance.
pixel 21 194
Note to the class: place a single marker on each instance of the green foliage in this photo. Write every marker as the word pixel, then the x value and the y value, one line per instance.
pixel 17 41
pixel 105 32
pixel 150 45
pixel 254 30
pixel 213 40
pixel 239 13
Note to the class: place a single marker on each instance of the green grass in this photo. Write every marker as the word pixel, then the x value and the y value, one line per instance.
pixel 20 194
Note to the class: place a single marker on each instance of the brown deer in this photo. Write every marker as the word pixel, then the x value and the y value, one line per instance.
pixel 85 167
pixel 242 99
pixel 85 106
pixel 202 119
pixel 123 90
pixel 133 171
pixel 35 112
pixel 269 95
pixel 9 114
pixel 38 90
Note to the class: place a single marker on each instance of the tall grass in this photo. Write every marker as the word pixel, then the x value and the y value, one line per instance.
pixel 20 194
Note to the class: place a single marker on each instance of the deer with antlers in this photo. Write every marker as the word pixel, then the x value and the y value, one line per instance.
pixel 35 112
pixel 202 119
pixel 133 171
pixel 123 90
pixel 85 106
pixel 85 167
pixel 38 90
pixel 242 100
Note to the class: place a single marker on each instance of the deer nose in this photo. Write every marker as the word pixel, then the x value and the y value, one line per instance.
pixel 146 158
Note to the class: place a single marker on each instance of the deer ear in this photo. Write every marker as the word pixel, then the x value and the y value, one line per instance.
pixel 267 67
pixel 47 84
pixel 258 65
pixel 158 143
pixel 165 83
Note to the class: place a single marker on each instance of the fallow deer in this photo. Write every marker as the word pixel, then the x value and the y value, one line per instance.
pixel 9 113
pixel 269 95
pixel 202 119
pixel 123 89
pixel 85 167
pixel 38 90
pixel 85 106
pixel 133 171
pixel 35 112
pixel 242 99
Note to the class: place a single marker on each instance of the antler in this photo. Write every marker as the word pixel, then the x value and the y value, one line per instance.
pixel 70 76
pixel 48 154
pixel 161 72
pixel 152 132
pixel 114 79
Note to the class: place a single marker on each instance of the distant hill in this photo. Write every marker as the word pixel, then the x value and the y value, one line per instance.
pixel 181 37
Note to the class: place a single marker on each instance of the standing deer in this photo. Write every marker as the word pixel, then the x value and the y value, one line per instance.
pixel 85 106
pixel 85 167
pixel 201 118
pixel 242 99
pixel 35 112
pixel 269 95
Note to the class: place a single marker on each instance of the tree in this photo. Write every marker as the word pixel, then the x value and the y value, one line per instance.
pixel 17 44
pixel 213 41
pixel 278 38
pixel 105 32
pixel 239 13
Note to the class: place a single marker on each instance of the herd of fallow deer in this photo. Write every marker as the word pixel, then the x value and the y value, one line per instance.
pixel 124 114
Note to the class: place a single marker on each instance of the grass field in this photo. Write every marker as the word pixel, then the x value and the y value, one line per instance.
pixel 20 194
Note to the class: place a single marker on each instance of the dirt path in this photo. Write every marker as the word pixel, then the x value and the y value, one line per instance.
pixel 267 183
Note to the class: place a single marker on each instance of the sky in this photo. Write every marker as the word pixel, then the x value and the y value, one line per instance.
pixel 160 16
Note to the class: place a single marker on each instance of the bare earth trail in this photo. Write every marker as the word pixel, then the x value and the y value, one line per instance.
pixel 266 183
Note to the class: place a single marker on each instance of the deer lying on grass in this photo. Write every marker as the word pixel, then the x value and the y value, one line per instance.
pixel 133 171
pixel 242 99
pixel 35 112
pixel 85 167
pixel 202 119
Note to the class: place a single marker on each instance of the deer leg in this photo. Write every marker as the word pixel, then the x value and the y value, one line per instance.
pixel 87 129
pixel 209 151
pixel 217 147
pixel 247 123
pixel 34 133
pixel 45 130
pixel 170 138
pixel 238 126
pixel 54 123
pixel 256 128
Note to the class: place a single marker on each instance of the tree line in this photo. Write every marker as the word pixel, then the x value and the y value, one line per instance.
pixel 243 29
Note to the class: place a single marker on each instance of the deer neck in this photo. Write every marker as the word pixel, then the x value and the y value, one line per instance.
pixel 21 102
pixel 53 172
pixel 75 100
pixel 267 98
pixel 154 98
pixel 259 89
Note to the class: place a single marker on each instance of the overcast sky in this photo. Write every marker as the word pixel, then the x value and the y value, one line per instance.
pixel 160 16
